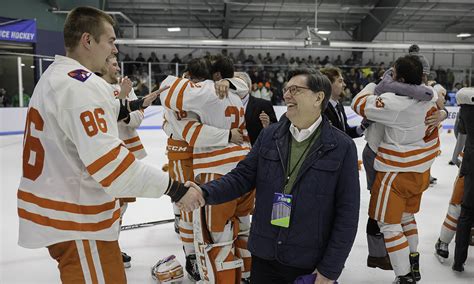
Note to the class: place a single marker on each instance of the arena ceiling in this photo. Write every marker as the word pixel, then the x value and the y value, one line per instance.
pixel 361 19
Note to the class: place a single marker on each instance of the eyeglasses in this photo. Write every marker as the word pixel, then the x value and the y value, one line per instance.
pixel 293 90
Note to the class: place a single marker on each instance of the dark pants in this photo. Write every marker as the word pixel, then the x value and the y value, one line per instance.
pixel 465 222
pixel 271 271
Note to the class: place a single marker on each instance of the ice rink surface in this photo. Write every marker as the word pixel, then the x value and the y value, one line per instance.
pixel 147 245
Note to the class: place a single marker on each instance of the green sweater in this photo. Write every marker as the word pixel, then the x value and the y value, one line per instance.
pixel 297 155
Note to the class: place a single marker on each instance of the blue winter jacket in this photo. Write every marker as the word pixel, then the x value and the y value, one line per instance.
pixel 325 207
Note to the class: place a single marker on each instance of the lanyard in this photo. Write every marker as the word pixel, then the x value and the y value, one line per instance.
pixel 301 157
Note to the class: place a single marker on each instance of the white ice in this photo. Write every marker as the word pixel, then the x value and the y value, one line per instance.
pixel 147 245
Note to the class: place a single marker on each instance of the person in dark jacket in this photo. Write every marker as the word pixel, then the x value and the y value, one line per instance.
pixel 464 98
pixel 307 189
pixel 259 113
pixel 335 111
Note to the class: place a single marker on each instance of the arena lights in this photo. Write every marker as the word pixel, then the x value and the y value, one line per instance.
pixel 462 35
pixel 324 32
pixel 174 29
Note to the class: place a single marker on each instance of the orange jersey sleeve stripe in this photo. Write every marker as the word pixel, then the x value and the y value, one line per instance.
pixel 69 225
pixel 129 159
pixel 187 128
pixel 132 140
pixel 407 164
pixel 362 107
pixel 136 148
pixel 195 135
pixel 179 100
pixel 186 231
pixel 409 153
pixel 411 222
pixel 397 247
pixel 218 163
pixel 171 91
pixel 64 206
pixel 104 160
pixel 220 152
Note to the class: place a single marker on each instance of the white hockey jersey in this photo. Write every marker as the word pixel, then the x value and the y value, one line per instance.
pixel 201 99
pixel 74 164
pixel 406 145
pixel 128 131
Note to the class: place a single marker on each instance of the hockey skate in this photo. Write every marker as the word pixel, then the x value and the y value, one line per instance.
pixel 415 265
pixel 405 279
pixel 441 251
pixel 126 260
pixel 458 267
pixel 192 268
pixel 380 262
pixel 167 270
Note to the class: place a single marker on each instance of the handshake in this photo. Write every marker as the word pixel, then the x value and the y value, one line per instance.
pixel 192 199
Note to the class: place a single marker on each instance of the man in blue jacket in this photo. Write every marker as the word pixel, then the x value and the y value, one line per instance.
pixel 307 189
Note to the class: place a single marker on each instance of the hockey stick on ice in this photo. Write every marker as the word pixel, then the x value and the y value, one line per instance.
pixel 147 224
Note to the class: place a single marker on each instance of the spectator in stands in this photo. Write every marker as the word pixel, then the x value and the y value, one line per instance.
pixel 241 56
pixel 155 66
pixel 350 61
pixel 165 67
pixel 456 87
pixel 231 56
pixel 268 59
pixel 370 63
pixel 250 61
pixel 127 67
pixel 265 91
pixel 449 79
pixel 325 61
pixel 140 59
pixel 293 64
pixel 338 61
pixel 4 98
pixel 188 58
pixel 283 60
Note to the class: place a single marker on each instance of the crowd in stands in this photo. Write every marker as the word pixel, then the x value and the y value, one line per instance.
pixel 268 72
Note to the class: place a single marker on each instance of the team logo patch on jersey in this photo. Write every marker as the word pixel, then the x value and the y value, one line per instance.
pixel 379 102
pixel 80 74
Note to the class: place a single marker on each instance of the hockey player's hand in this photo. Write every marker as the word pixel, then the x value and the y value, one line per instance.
pixel 236 136
pixel 320 279
pixel 125 88
pixel 435 119
pixel 193 199
pixel 222 88
pixel 264 119
pixel 151 97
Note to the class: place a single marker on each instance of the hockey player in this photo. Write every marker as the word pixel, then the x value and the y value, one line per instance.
pixel 74 164
pixel 377 252
pixel 180 153
pixel 127 127
pixel 465 98
pixel 223 230
pixel 403 160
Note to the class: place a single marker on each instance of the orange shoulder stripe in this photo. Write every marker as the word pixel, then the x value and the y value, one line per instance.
pixel 171 91
pixel 179 100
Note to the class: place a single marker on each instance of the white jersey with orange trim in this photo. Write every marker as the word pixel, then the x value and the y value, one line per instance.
pixel 128 131
pixel 226 113
pixel 406 145
pixel 74 164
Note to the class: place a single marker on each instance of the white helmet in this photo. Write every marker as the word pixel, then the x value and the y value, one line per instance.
pixel 167 270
